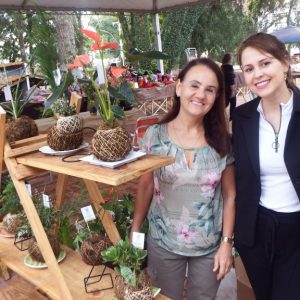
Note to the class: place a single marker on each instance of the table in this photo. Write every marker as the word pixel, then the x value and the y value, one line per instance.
pixel 23 160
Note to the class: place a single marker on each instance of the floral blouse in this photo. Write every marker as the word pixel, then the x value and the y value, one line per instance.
pixel 185 215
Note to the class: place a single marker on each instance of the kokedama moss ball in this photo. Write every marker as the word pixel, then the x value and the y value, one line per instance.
pixel 21 128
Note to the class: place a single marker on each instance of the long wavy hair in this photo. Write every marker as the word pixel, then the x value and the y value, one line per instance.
pixel 268 43
pixel 214 122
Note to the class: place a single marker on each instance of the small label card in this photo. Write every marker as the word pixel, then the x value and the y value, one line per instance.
pixel 88 213
pixel 138 239
pixel 28 187
pixel 7 93
pixel 46 200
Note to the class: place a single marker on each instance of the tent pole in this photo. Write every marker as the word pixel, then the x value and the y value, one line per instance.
pixel 157 36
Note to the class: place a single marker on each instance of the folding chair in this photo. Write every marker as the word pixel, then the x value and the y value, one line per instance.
pixel 141 125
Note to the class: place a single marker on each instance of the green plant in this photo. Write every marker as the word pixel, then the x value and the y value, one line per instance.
pixel 94 226
pixel 68 79
pixel 49 217
pixel 109 110
pixel 61 106
pixel 127 260
pixel 16 106
pixel 122 212
pixel 10 199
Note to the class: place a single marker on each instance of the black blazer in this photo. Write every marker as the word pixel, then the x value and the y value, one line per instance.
pixel 246 152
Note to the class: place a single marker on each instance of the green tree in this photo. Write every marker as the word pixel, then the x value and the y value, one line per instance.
pixel 9 49
pixel 137 34
pixel 216 28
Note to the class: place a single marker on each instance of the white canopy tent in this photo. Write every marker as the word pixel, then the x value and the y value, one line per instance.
pixel 142 6
pixel 138 6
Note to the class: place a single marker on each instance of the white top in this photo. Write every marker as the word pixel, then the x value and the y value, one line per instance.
pixel 277 190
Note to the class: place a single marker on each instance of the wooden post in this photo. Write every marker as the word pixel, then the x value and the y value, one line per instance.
pixel 2 140
pixel 104 216
pixel 3 267
pixel 4 271
pixel 61 185
pixel 39 232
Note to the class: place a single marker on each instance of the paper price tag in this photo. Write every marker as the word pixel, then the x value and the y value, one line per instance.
pixel 88 213
pixel 28 187
pixel 46 200
pixel 138 239
pixel 7 93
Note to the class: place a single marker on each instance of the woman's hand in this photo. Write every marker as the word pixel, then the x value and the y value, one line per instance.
pixel 223 260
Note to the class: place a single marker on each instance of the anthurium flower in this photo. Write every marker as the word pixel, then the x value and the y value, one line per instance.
pixel 91 34
pixel 99 43
pixel 79 61
pixel 102 45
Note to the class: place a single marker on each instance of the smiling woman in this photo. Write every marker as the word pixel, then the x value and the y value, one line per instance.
pixel 188 221
pixel 266 135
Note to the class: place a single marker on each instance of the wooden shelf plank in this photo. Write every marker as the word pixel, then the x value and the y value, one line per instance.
pixel 72 267
pixel 109 176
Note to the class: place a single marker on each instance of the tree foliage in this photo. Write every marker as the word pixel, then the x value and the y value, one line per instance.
pixel 217 29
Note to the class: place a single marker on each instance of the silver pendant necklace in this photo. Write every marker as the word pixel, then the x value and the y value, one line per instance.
pixel 275 144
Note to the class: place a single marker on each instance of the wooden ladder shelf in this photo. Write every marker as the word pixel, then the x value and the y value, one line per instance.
pixel 23 160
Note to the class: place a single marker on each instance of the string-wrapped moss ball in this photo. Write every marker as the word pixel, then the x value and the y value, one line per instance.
pixel 70 124
pixel 64 141
pixel 111 144
pixel 92 247
pixel 36 253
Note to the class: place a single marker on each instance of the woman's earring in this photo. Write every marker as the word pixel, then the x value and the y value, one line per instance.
pixel 285 76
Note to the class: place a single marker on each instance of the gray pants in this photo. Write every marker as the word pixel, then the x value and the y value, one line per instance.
pixel 168 270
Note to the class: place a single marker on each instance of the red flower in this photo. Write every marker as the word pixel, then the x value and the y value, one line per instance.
pixel 102 45
pixel 79 61
pixel 99 43
pixel 106 199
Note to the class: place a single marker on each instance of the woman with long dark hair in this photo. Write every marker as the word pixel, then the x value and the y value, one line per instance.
pixel 190 204
pixel 266 139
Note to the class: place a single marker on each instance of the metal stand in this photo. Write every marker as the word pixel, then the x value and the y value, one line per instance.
pixel 22 243
pixel 93 279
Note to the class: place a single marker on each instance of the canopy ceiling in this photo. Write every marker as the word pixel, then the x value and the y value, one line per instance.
pixel 290 34
pixel 143 6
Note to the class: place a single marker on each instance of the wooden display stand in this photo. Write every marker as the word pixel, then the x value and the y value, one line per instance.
pixel 23 160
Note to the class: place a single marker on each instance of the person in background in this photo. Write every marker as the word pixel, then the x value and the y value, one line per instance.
pixel 266 144
pixel 191 203
pixel 230 91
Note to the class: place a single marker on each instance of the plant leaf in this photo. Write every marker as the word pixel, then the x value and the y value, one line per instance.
pixel 68 80
pixel 118 112
pixel 128 275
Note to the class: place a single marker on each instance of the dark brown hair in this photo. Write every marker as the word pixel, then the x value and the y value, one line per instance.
pixel 215 123
pixel 226 58
pixel 270 44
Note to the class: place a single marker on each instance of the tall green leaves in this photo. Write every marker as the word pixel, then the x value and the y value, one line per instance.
pixel 45 54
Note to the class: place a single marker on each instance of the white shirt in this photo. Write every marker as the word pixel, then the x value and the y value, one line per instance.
pixel 277 190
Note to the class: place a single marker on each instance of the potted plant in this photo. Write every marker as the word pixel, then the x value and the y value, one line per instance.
pixel 11 207
pixel 49 217
pixel 67 133
pixel 20 127
pixel 111 142
pixel 130 283
pixel 90 241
